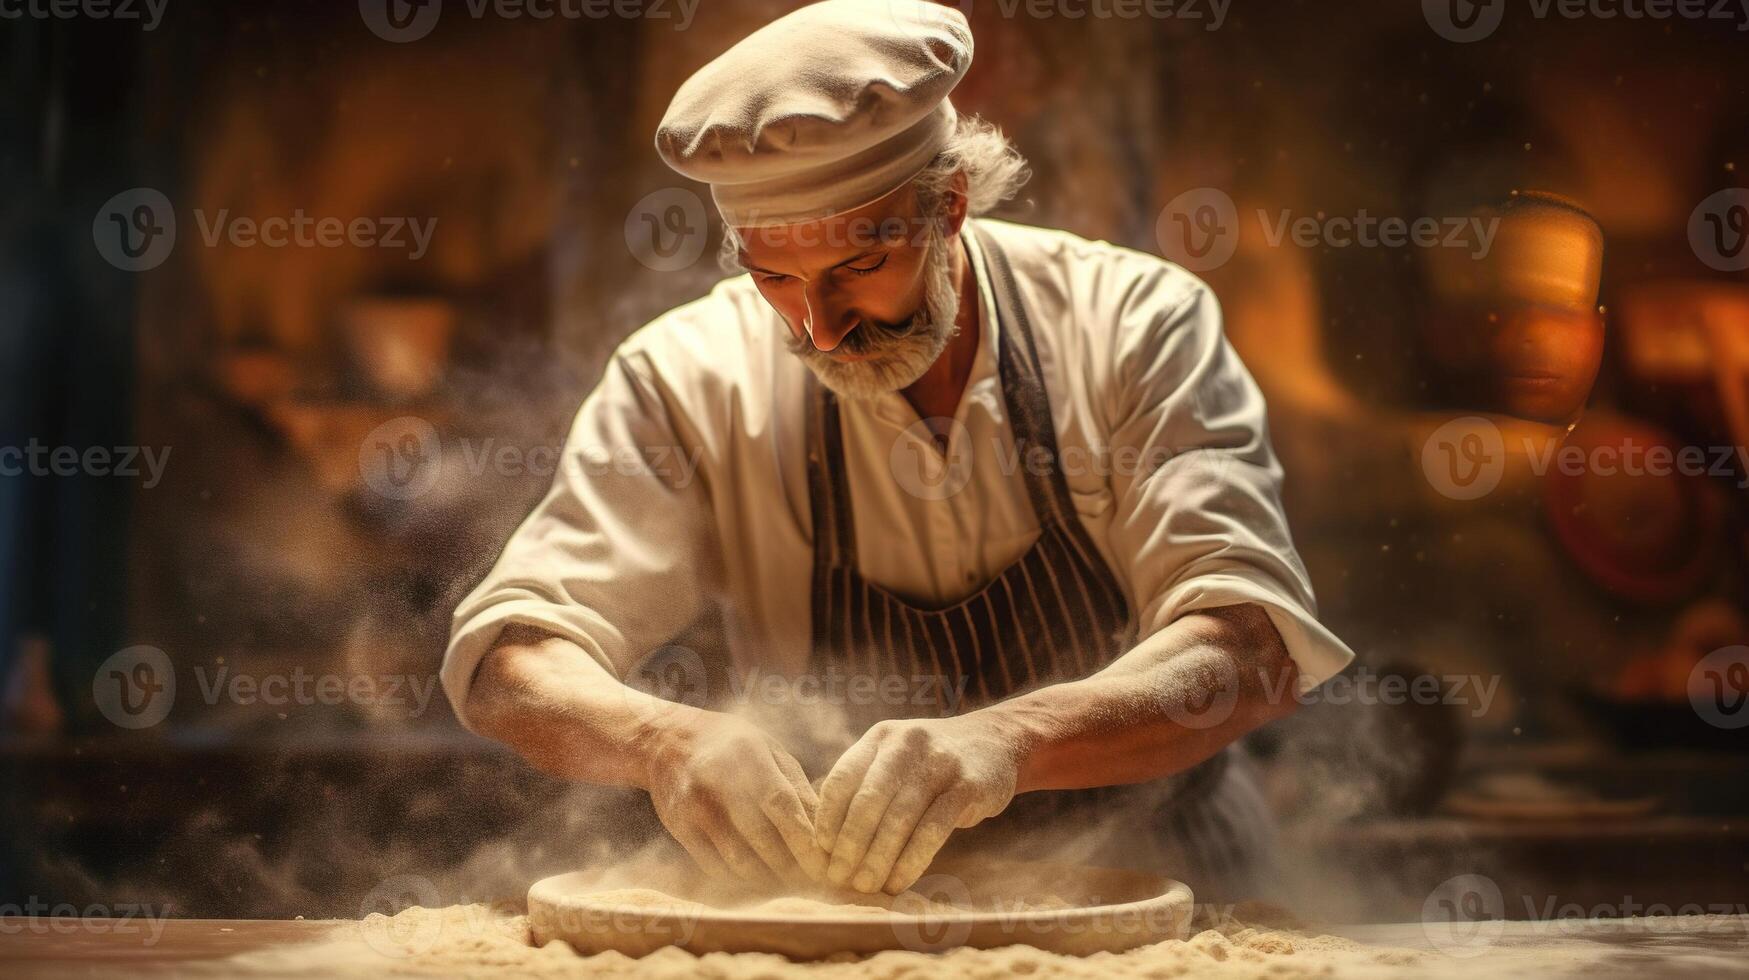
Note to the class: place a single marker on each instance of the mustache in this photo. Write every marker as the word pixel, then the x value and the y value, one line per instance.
pixel 867 337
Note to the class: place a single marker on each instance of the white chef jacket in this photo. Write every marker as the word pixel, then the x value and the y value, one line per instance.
pixel 684 475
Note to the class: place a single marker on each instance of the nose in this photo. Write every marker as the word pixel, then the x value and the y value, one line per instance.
pixel 825 323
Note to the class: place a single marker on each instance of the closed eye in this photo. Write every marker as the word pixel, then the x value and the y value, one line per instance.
pixel 869 266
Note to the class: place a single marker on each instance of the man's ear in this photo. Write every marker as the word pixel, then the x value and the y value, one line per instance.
pixel 956 205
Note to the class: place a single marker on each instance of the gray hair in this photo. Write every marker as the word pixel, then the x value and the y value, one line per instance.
pixel 995 171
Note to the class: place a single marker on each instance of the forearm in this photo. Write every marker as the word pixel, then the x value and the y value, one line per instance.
pixel 1129 723
pixel 567 715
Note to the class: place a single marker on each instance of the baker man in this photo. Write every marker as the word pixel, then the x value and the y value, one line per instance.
pixel 928 445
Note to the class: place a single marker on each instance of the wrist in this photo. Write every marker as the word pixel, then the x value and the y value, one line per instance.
pixel 661 743
pixel 1017 729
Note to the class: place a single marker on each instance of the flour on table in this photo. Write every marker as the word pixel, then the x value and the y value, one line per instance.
pixel 1244 943
pixel 483 941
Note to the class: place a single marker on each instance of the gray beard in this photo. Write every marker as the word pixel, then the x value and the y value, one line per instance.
pixel 897 356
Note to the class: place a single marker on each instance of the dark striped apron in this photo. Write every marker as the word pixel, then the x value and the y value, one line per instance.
pixel 1056 613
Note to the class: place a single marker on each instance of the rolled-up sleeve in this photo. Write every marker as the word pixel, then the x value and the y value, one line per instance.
pixel 1199 521
pixel 617 555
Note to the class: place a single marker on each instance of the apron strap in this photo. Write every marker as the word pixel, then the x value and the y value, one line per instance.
pixel 1029 408
pixel 1023 389
pixel 834 535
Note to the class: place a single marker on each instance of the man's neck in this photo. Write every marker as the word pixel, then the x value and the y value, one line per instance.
pixel 937 393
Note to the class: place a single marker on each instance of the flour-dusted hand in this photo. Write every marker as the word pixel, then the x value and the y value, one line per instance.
pixel 891 801
pixel 734 799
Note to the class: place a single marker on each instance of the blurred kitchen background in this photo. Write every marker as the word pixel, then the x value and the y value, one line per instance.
pixel 1589 599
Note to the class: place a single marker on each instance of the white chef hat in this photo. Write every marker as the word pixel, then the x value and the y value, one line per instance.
pixel 821 111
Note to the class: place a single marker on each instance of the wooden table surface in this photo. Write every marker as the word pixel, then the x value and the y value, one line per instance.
pixel 1714 946
pixel 1691 946
pixel 92 947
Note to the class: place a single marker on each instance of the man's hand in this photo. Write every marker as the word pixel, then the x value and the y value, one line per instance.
pixel 891 801
pixel 736 801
